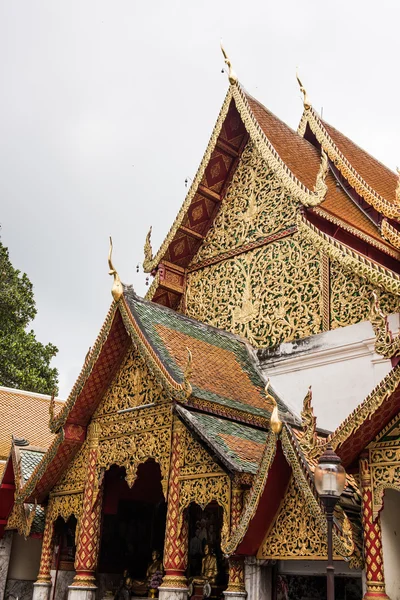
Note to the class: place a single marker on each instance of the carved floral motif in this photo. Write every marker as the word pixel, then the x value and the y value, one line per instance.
pixel 255 206
pixel 269 295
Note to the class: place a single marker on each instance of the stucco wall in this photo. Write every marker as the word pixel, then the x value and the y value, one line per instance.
pixel 341 366
pixel 25 558
pixel 390 521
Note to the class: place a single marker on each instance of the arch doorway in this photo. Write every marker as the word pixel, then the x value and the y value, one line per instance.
pixel 133 523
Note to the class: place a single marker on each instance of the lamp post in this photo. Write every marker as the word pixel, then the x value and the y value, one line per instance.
pixel 330 481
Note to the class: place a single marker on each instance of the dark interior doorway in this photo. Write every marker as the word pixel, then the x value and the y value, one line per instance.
pixel 133 520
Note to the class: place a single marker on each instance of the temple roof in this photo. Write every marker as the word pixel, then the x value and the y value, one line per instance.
pixel 296 160
pixel 26 415
pixel 224 368
pixel 240 447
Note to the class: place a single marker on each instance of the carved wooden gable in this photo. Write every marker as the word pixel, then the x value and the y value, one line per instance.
pixel 253 275
pixel 384 458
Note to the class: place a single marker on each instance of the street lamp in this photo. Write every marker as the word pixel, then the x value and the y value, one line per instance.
pixel 330 481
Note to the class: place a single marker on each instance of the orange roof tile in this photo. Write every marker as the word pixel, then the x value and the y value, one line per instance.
pixel 299 155
pixel 26 415
pixel 377 175
pixel 215 369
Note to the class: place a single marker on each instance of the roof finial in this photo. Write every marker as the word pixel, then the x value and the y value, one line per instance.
pixel 306 100
pixel 116 289
pixel 275 422
pixel 233 78
pixel 148 251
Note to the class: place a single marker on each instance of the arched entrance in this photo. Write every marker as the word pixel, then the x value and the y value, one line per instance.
pixel 133 524
pixel 390 525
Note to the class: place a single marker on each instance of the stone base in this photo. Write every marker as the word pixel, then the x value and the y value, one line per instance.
pixel 41 590
pixel 171 593
pixel 235 595
pixel 80 592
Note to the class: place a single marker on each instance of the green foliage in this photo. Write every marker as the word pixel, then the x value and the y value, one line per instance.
pixel 24 362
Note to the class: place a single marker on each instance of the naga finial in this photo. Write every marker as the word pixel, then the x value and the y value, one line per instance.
pixel 116 289
pixel 306 100
pixel 148 250
pixel 233 78
pixel 275 422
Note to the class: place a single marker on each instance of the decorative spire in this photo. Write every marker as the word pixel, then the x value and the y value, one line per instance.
pixel 306 100
pixel 116 289
pixel 233 78
pixel 309 424
pixel 275 422
pixel 385 344
pixel 148 251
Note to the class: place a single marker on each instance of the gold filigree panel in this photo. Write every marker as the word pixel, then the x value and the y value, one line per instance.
pixel 254 207
pixel 196 460
pixel 133 386
pixel 131 451
pixel 351 297
pixel 74 478
pixel 268 295
pixel 65 506
pixel 296 533
pixel 299 534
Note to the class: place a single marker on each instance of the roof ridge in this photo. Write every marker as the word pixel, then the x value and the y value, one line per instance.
pixel 37 395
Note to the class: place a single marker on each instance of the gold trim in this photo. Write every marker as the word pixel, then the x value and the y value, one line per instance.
pixel 385 343
pixel 349 258
pixel 390 234
pixel 357 232
pixel 382 205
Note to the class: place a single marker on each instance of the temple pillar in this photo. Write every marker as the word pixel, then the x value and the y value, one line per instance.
pixel 42 586
pixel 374 573
pixel 258 578
pixel 236 589
pixel 84 585
pixel 174 585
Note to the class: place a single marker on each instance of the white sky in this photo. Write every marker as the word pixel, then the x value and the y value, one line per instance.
pixel 107 106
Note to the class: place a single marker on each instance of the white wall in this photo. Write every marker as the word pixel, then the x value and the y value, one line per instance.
pixel 341 366
pixel 25 558
pixel 390 522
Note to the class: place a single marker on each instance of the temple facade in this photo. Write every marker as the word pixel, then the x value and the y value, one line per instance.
pixel 181 464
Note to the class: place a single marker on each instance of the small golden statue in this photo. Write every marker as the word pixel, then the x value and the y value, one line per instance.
pixel 209 568
pixel 155 566
pixel 153 578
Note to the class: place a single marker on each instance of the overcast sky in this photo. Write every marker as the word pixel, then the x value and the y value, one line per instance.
pixel 107 106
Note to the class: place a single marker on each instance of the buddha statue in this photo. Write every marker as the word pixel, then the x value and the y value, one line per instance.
pixel 141 587
pixel 154 566
pixel 209 568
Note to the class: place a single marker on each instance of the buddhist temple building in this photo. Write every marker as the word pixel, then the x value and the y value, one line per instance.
pixel 181 465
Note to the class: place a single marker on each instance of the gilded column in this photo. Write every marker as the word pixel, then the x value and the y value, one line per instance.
pixel 372 537
pixel 236 586
pixel 87 550
pixel 41 588
pixel 174 586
